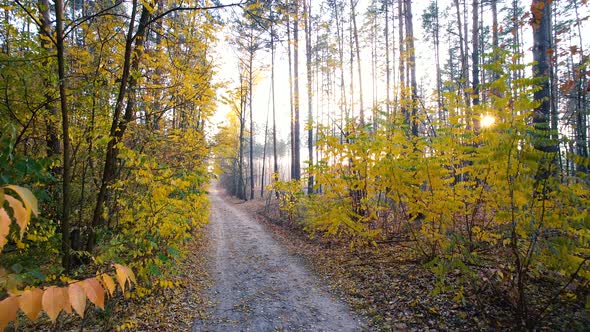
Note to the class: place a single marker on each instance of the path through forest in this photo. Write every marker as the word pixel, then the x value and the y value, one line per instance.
pixel 259 286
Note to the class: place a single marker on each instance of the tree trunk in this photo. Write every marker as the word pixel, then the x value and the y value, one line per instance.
pixel 274 114
pixel 250 91
pixel 53 144
pixel 65 123
pixel 495 45
pixel 463 82
pixel 358 60
pixel 242 185
pixel 307 27
pixel 581 104
pixel 291 99
pixel 439 99
pixel 475 58
pixel 387 59
pixel 402 55
pixel 411 67
pixel 118 125
pixel 264 158
pixel 296 167
pixel 541 22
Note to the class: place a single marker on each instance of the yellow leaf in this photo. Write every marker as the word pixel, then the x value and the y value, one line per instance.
pixel 8 309
pixel 109 283
pixel 77 298
pixel 21 215
pixel 30 302
pixel 130 275
pixel 121 276
pixel 53 302
pixel 28 198
pixel 4 227
pixel 148 6
pixel 94 292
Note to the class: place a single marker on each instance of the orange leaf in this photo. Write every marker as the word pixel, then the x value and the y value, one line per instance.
pixel 8 309
pixel 121 276
pixel 77 298
pixel 4 227
pixel 53 302
pixel 30 302
pixel 67 304
pixel 21 214
pixel 109 283
pixel 94 291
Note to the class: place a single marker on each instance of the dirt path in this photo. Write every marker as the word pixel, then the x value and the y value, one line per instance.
pixel 259 286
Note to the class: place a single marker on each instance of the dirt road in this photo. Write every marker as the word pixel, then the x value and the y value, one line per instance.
pixel 259 286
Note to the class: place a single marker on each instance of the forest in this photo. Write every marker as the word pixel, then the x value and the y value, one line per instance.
pixel 448 137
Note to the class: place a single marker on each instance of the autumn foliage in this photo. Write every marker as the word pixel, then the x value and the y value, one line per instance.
pixel 472 203
pixel 104 123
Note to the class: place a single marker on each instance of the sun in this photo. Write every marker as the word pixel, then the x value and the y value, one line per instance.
pixel 487 121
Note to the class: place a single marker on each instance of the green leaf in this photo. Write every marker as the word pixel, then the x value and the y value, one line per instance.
pixel 154 270
pixel 17 268
pixel 173 252
pixel 37 275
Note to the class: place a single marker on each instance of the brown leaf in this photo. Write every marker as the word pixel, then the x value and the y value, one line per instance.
pixel 77 298
pixel 30 302
pixel 53 302
pixel 94 292
pixel 8 309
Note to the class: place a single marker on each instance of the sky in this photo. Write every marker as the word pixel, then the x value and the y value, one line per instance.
pixel 227 64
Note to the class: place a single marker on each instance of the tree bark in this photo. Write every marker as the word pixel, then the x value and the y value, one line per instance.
pixel 296 167
pixel 387 60
pixel 250 91
pixel 358 60
pixel 53 144
pixel 65 124
pixel 307 27
pixel 475 58
pixel 541 22
pixel 274 113
pixel 411 67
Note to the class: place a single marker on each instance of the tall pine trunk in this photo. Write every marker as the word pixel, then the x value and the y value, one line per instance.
pixel 296 167
pixel 307 27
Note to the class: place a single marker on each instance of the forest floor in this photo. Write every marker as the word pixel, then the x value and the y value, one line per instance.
pixel 259 285
pixel 395 291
